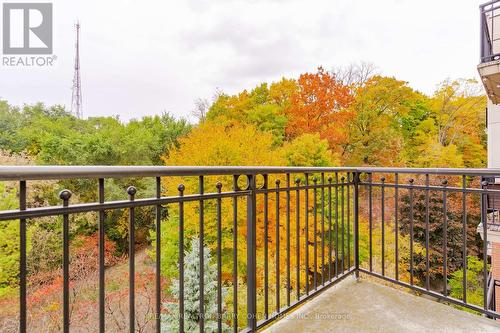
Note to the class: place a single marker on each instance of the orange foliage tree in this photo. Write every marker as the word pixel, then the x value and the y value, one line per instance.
pixel 320 106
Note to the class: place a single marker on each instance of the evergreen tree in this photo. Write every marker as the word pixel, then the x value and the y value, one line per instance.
pixel 170 321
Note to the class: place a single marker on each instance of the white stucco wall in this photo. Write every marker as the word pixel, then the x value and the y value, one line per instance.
pixel 493 135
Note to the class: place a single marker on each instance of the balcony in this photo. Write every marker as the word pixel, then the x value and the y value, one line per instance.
pixel 289 242
pixel 344 308
pixel 489 67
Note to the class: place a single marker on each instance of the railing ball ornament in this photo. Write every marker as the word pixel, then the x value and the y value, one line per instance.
pixel 382 179
pixel 278 182
pixel 181 187
pixel 297 181
pixel 330 179
pixel 411 180
pixel 444 182
pixel 484 183
pixel 131 190
pixel 218 186
pixel 65 194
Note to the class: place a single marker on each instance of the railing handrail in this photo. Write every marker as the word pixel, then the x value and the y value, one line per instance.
pixel 486 44
pixel 482 6
pixel 64 172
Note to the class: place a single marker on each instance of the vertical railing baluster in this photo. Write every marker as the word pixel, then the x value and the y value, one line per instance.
pixel 306 232
pixel 445 239
pixel 131 190
pixel 266 248
pixel 158 258
pixel 102 249
pixel 348 190
pixel 219 257
pixel 464 238
pixel 235 256
pixel 22 259
pixel 181 259
pixel 356 222
pixel 342 204
pixel 427 231
pixel 288 239
pixel 493 208
pixel 336 224
pixel 329 228
pixel 315 233
pixel 382 196
pixel 277 254
pixel 484 221
pixel 201 319
pixel 297 236
pixel 396 226
pixel 251 256
pixel 322 228
pixel 370 219
pixel 411 230
pixel 65 195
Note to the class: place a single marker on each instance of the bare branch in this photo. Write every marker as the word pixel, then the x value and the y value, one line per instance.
pixel 355 74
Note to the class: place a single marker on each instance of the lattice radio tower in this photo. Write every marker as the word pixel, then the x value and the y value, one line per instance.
pixel 76 98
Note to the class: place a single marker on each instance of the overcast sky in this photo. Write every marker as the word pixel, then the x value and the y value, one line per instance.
pixel 145 57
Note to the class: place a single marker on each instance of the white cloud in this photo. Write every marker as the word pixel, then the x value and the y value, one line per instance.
pixel 143 57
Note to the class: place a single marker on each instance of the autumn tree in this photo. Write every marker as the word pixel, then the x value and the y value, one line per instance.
pixel 262 107
pixel 320 106
pixel 308 150
pixel 375 132
pixel 453 134
pixel 213 143
pixel 454 243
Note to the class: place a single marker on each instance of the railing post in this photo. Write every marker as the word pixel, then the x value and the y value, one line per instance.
pixel 356 223
pixel 481 33
pixel 484 221
pixel 251 256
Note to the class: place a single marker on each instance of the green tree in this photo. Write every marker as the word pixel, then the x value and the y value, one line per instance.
pixel 9 243
pixel 262 107
pixel 474 283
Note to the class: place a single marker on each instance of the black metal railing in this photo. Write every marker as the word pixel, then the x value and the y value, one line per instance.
pixel 491 299
pixel 488 13
pixel 407 217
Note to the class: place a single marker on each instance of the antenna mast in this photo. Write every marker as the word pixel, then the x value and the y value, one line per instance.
pixel 76 98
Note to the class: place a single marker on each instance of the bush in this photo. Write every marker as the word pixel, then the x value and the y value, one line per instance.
pixel 474 282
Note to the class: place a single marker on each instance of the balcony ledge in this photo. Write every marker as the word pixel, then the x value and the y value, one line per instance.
pixel 365 306
pixel 490 75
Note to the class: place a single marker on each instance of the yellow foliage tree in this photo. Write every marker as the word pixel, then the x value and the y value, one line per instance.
pixel 240 144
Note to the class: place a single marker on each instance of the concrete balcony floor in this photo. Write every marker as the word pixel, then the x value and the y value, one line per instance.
pixel 366 306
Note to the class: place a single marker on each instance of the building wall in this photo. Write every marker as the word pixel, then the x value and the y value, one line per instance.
pixel 493 135
pixel 495 269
